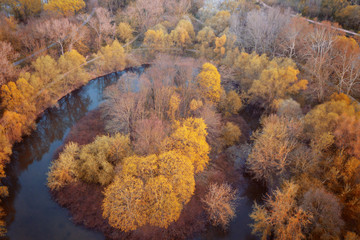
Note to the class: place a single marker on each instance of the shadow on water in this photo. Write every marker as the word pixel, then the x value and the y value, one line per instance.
pixel 31 213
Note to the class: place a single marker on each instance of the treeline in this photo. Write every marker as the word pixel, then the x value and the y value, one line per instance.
pixel 346 13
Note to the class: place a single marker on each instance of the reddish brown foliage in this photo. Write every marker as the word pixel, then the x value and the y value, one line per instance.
pixel 88 127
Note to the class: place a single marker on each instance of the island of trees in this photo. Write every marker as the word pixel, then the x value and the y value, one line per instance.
pixel 173 143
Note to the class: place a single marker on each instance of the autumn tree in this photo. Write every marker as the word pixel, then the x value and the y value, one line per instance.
pixel 342 176
pixel 17 97
pixel 230 103
pixel 62 31
pixel 270 156
pixel 123 107
pixel 149 190
pixel 155 40
pixel 183 35
pixel 64 7
pixel 346 64
pixel 102 25
pixel 317 52
pixel 112 58
pixel 220 203
pixel 276 83
pixel 326 222
pixel 46 70
pixel 73 73
pixel 209 81
pixel 124 32
pixel 7 70
pixel 322 120
pixel 231 134
pixel 281 215
pixel 144 15
pixel 349 17
pixel 220 21
pixel 189 139
pixel 64 170
pixel 347 134
pixel 23 9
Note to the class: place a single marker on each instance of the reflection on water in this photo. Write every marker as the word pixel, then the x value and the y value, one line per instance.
pixel 32 214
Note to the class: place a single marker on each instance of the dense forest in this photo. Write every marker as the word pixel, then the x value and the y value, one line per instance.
pixel 164 153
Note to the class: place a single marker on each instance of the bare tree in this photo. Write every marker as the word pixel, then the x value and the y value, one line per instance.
pixel 317 54
pixel 62 31
pixel 7 70
pixel 102 25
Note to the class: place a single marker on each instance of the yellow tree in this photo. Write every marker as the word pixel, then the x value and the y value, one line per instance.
pixel 183 35
pixel 230 103
pixel 155 40
pixel 173 105
pixel 46 70
pixel 163 207
pixel 209 81
pixel 71 66
pixel 149 190
pixel 112 58
pixel 189 139
pixel 276 83
pixel 123 204
pixel 125 32
pixel 179 171
pixel 219 45
pixel 321 121
pixel 220 21
pixel 23 9
pixel 231 134
pixel 281 215
pixel 64 170
pixel 16 97
pixel 64 7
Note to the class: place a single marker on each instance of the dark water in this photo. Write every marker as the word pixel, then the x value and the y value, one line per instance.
pixel 33 215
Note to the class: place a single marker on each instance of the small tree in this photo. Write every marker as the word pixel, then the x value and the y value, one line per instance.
pixel 220 204
pixel 209 81
pixel 231 134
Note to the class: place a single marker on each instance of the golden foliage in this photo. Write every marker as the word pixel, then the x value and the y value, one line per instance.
pixel 173 105
pixel 125 32
pixel 281 215
pixel 231 134
pixel 123 203
pixel 209 81
pixel 219 45
pixel 64 170
pixel 322 120
pixel 71 66
pixel 276 83
pixel 64 7
pixel 112 58
pixel 189 139
pixel 230 103
pixel 149 190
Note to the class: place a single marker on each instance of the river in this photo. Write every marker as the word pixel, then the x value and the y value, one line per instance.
pixel 32 214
